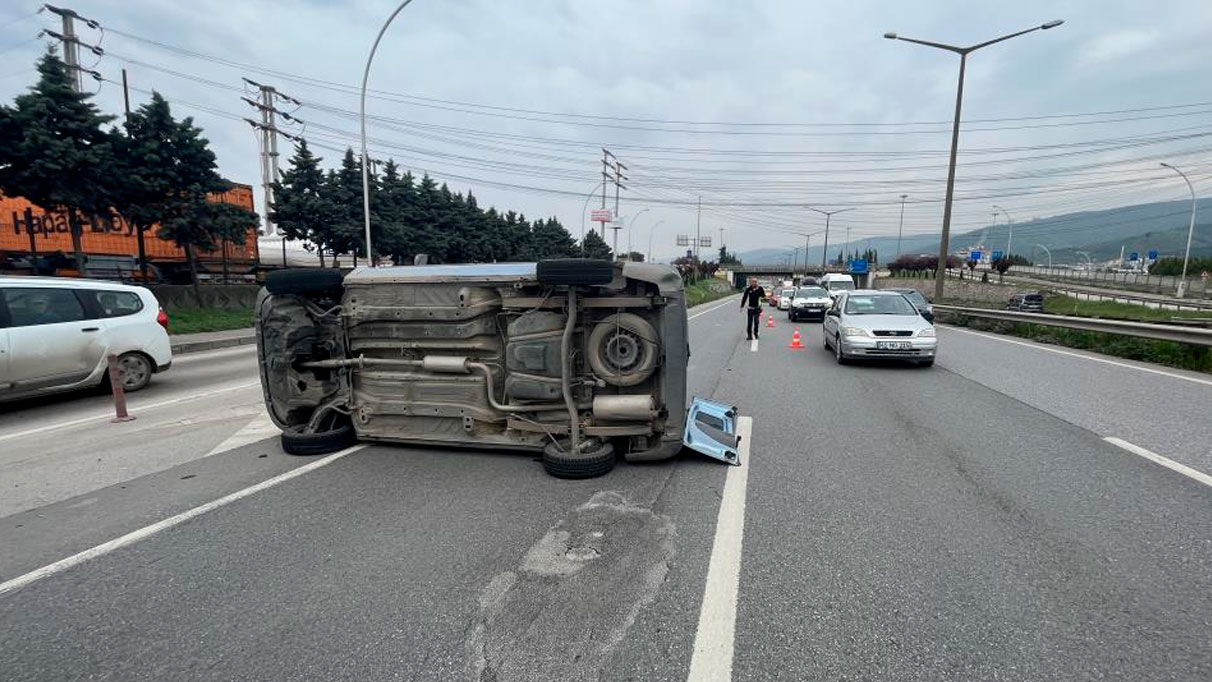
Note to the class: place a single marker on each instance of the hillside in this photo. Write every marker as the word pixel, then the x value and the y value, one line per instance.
pixel 1141 227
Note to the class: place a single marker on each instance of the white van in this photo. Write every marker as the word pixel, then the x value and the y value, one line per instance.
pixel 55 334
pixel 836 281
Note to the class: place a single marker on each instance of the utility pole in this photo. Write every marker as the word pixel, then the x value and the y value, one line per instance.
pixel 807 239
pixel 269 131
pixel 698 231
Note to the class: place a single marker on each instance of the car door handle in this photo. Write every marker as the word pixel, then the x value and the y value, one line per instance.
pixel 91 329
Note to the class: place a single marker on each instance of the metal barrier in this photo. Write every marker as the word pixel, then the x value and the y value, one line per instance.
pixel 1144 330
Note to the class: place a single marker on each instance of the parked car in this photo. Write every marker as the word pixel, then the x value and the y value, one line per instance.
pixel 867 323
pixel 835 282
pixel 56 335
pixel 1028 303
pixel 575 358
pixel 809 302
pixel 919 301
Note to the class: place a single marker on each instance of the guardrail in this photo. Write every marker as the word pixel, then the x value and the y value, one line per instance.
pixel 1144 330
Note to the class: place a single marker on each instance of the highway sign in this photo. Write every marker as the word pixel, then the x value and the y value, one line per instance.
pixel 997 255
pixel 1153 254
pixel 683 240
pixel 1134 256
pixel 974 255
pixel 858 267
pixel 601 215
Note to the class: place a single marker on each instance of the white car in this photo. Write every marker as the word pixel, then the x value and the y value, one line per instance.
pixel 835 282
pixel 56 333
pixel 867 323
pixel 809 302
pixel 785 295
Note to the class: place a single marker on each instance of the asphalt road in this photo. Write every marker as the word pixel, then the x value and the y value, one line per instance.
pixel 963 522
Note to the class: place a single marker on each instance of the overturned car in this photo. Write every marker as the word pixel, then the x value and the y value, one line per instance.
pixel 579 359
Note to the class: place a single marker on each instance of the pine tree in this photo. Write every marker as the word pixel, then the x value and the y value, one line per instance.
pixel 230 224
pixel 551 240
pixel 158 157
pixel 55 153
pixel 303 208
pixel 593 246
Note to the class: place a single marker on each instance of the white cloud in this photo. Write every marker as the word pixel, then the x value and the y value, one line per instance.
pixel 1113 47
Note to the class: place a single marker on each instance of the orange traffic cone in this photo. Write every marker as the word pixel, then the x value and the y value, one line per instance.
pixel 770 320
pixel 795 341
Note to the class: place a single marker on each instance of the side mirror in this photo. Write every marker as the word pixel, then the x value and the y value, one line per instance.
pixel 831 312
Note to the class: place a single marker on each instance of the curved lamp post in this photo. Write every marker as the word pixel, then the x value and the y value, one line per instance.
pixel 586 208
pixel 963 52
pixel 370 259
pixel 650 231
pixel 1047 252
pixel 1010 223
pixel 631 230
pixel 1182 281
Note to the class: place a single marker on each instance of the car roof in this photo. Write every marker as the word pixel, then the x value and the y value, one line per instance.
pixel 64 282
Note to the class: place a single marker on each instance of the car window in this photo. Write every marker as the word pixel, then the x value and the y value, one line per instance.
pixel 116 303
pixel 30 307
pixel 915 297
pixel 879 305
pixel 843 285
pixel 811 292
pixel 1034 298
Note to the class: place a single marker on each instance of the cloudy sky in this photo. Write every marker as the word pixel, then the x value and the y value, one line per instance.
pixel 759 107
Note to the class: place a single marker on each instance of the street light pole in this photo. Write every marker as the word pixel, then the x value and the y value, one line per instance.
pixel 1010 224
pixel 586 208
pixel 1182 281
pixel 1047 252
pixel 944 242
pixel 650 231
pixel 901 228
pixel 631 229
pixel 370 259
pixel 828 215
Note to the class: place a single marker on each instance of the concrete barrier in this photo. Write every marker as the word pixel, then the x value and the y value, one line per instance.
pixel 225 296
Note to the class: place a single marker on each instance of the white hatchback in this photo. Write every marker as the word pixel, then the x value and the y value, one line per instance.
pixel 56 333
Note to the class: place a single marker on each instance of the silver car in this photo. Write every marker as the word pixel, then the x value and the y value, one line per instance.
pixel 866 323
pixel 578 359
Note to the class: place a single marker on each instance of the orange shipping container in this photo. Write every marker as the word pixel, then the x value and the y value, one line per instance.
pixel 108 238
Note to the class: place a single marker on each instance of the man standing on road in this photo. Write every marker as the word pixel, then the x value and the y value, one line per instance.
pixel 752 298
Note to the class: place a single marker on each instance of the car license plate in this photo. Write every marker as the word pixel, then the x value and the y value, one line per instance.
pixel 893 345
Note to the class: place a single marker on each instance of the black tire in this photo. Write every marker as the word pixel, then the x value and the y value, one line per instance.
pixel 595 461
pixel 576 271
pixel 825 339
pixel 305 282
pixel 837 351
pixel 295 442
pixel 134 371
pixel 926 363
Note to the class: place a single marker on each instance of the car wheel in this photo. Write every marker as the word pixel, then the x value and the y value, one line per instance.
pixel 596 458
pixel 577 271
pixel 837 351
pixel 305 282
pixel 296 442
pixel 134 371
pixel 926 363
pixel 623 349
pixel 825 338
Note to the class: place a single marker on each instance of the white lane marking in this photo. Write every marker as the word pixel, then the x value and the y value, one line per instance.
pixel 135 408
pixel 704 312
pixel 753 346
pixel 148 531
pixel 716 634
pixel 1164 461
pixel 1058 351
pixel 260 428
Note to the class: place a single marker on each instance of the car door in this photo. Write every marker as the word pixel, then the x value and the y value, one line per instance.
pixel 5 382
pixel 830 323
pixel 52 342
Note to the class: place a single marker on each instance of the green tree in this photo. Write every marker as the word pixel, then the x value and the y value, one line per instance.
pixel 229 224
pixel 727 257
pixel 593 246
pixel 158 157
pixel 303 209
pixel 636 256
pixel 551 240
pixel 348 223
pixel 55 153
